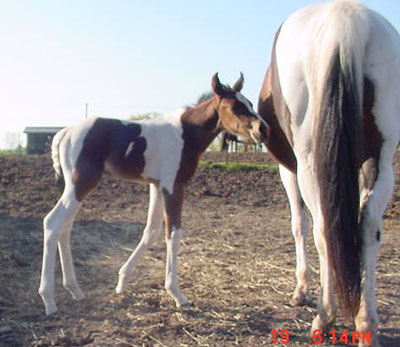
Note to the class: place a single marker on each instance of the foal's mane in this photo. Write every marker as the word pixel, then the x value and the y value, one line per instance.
pixel 202 98
pixel 206 96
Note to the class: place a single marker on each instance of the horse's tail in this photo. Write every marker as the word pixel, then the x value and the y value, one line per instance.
pixel 55 155
pixel 338 141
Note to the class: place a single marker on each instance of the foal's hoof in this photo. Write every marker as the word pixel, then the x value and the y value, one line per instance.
pixel 78 296
pixel 181 301
pixel 121 286
pixel 50 309
pixel 119 289
pixel 76 293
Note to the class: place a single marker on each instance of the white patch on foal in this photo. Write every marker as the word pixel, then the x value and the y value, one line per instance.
pixel 162 156
pixel 129 149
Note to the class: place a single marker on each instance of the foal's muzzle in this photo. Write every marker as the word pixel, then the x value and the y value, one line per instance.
pixel 259 131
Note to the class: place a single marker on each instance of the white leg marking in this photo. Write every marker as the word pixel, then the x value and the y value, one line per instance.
pixel 326 307
pixel 171 275
pixel 150 233
pixel 55 225
pixel 367 317
pixel 301 294
pixel 129 149
pixel 69 278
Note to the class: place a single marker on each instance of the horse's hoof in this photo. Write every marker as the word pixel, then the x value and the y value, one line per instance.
pixel 302 299
pixel 321 326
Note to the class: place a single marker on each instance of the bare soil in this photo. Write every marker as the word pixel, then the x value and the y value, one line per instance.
pixel 236 263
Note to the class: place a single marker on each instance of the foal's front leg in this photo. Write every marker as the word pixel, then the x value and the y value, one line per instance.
pixel 173 233
pixel 150 233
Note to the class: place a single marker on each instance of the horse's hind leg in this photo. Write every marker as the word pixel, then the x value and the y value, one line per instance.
pixel 301 294
pixel 150 233
pixel 326 309
pixel 375 198
pixel 56 225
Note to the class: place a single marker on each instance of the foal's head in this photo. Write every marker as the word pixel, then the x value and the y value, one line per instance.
pixel 236 113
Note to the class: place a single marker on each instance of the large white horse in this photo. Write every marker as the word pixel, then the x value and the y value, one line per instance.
pixel 331 97
pixel 163 153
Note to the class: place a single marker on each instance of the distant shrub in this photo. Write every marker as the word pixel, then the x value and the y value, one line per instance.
pixel 15 151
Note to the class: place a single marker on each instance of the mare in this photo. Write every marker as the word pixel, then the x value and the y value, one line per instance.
pixel 163 153
pixel 330 96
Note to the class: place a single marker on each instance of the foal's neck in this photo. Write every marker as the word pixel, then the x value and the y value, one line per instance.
pixel 201 125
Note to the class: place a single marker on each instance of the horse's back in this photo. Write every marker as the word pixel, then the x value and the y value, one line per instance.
pixel 308 40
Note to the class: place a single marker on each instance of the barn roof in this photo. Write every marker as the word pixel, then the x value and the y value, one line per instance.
pixel 42 130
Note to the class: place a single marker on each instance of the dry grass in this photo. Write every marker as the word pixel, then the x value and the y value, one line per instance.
pixel 236 267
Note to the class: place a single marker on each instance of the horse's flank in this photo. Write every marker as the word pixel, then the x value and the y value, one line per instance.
pixel 330 96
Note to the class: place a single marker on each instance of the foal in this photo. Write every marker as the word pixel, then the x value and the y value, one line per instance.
pixel 163 153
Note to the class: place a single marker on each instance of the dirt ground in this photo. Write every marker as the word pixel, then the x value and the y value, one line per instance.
pixel 236 264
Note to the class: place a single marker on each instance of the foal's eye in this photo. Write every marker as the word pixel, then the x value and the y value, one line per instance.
pixel 227 103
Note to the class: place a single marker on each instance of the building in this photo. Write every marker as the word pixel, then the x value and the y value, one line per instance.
pixel 39 139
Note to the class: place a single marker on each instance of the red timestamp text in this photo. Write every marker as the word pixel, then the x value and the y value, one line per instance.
pixel 333 337
pixel 346 337
pixel 280 336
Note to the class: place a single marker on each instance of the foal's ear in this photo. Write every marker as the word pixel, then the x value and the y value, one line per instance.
pixel 217 86
pixel 237 87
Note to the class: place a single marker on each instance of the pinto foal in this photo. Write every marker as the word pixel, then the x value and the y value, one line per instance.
pixel 163 153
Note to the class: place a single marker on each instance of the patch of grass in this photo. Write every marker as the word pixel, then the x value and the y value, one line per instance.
pixel 237 166
pixel 16 151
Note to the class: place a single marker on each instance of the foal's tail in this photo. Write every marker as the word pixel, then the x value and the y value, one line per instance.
pixel 55 155
pixel 338 134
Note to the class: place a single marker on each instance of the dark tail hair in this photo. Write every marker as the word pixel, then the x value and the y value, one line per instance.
pixel 337 149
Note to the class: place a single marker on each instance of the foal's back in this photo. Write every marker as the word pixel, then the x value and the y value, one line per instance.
pixel 139 151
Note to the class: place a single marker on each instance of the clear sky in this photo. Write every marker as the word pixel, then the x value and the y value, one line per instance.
pixel 126 57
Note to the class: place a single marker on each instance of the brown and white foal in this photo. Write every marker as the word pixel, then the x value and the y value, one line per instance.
pixel 163 153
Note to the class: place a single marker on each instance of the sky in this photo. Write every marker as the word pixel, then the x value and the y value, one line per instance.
pixel 129 57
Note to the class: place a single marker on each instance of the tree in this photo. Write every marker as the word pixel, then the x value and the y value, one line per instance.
pixel 143 116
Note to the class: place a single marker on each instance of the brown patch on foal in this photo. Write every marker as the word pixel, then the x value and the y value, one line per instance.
pixel 200 125
pixel 110 142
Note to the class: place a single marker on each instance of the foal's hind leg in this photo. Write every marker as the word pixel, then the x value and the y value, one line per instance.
pixel 301 294
pixel 56 225
pixel 69 278
pixel 150 233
